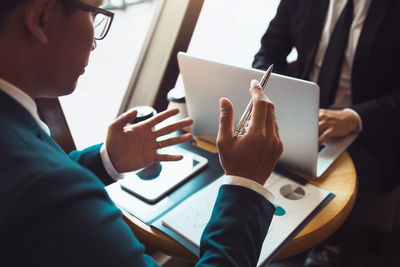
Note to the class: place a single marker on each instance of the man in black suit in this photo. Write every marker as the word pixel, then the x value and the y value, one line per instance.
pixel 366 95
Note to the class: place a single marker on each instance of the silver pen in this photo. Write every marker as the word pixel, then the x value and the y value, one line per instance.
pixel 247 113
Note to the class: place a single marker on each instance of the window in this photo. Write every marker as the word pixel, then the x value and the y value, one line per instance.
pixel 98 96
pixel 228 31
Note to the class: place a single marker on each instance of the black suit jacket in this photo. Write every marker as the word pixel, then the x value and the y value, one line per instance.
pixel 375 74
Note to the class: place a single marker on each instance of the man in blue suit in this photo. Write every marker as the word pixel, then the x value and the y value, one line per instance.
pixel 54 210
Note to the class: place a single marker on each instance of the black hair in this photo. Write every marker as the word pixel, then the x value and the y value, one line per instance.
pixel 8 6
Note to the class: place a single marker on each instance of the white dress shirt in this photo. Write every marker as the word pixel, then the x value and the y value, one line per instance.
pixel 343 94
pixel 29 104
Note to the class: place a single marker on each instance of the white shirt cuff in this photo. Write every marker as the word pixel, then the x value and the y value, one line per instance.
pixel 360 127
pixel 108 165
pixel 245 182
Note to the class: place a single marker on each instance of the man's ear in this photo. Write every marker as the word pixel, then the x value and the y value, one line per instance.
pixel 36 15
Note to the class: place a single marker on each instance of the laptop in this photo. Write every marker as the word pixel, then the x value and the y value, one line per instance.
pixel 296 105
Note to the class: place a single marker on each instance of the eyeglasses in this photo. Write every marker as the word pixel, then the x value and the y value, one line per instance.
pixel 102 19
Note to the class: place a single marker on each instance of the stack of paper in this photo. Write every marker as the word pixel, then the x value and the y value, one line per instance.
pixel 294 203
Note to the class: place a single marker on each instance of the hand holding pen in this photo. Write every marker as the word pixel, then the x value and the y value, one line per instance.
pixel 244 120
pixel 256 152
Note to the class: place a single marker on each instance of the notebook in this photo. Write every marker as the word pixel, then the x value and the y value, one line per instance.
pixel 296 105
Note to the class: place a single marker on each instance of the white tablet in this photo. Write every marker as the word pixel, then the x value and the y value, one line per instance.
pixel 154 182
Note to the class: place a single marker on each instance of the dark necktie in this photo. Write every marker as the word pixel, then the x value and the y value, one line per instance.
pixel 328 79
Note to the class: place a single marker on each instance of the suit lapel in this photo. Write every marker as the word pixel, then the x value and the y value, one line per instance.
pixel 317 10
pixel 49 139
pixel 13 109
pixel 375 16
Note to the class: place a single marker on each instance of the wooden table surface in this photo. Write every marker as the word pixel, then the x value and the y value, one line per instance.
pixel 339 179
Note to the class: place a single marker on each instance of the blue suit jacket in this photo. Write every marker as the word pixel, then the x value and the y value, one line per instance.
pixel 54 210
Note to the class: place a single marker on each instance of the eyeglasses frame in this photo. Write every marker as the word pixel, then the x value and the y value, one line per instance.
pixel 89 8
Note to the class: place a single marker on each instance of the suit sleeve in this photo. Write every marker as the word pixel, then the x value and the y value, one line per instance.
pixel 381 130
pixel 70 221
pixel 90 158
pixel 276 43
pixel 237 228
pixel 381 115
pixel 67 219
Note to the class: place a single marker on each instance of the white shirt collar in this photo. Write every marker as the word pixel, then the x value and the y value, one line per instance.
pixel 25 100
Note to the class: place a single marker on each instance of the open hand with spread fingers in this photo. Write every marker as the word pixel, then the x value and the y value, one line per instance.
pixel 134 146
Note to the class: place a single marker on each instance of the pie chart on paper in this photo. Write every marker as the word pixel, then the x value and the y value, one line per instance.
pixel 292 192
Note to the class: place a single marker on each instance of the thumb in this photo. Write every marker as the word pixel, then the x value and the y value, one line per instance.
pixel 225 131
pixel 124 119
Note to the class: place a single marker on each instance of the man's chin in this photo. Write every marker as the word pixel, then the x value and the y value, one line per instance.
pixel 68 88
pixel 59 92
pixel 71 89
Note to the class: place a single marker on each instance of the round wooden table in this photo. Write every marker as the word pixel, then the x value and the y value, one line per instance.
pixel 339 179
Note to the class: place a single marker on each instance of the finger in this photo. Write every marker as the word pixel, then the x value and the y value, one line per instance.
pixel 225 131
pixel 174 127
pixel 124 119
pixel 260 107
pixel 322 117
pixel 270 121
pixel 162 116
pixel 324 136
pixel 254 85
pixel 177 140
pixel 167 157
pixel 277 130
pixel 323 114
pixel 323 125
